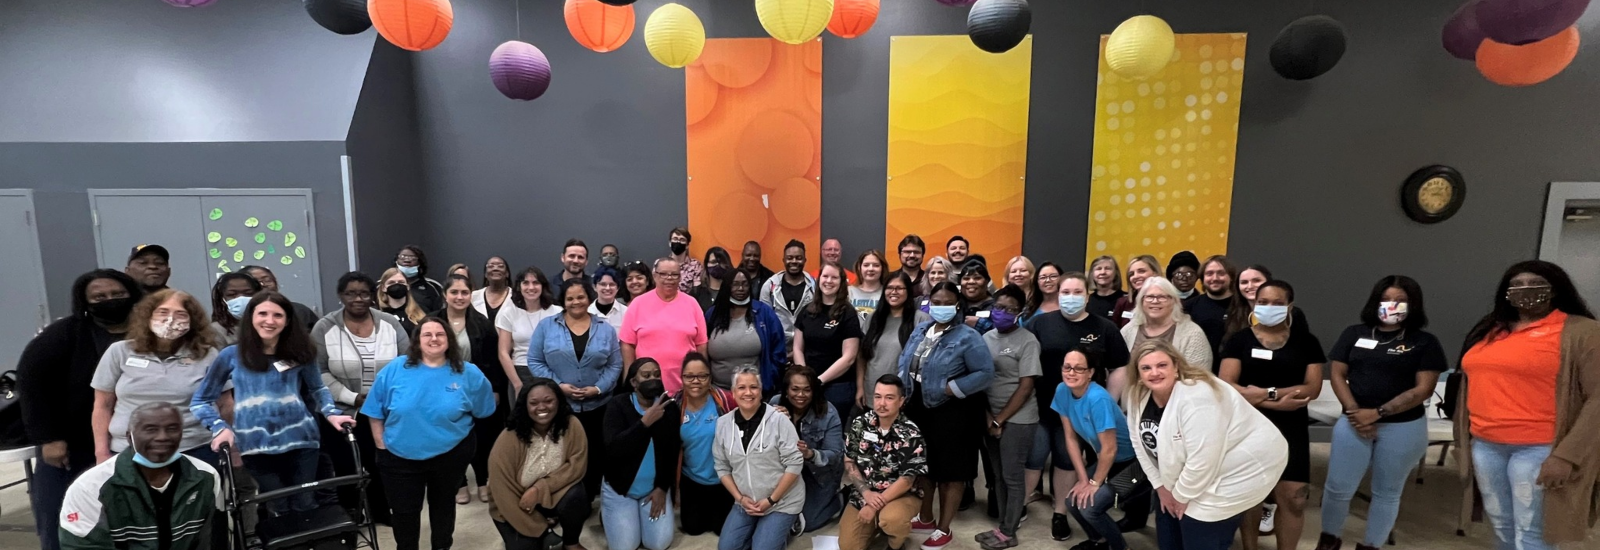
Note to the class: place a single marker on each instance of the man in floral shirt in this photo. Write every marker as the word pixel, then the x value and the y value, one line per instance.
pixel 883 457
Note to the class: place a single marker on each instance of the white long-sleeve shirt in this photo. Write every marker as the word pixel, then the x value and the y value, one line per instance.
pixel 1217 453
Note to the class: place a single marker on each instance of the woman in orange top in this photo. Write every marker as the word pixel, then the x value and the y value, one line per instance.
pixel 1531 416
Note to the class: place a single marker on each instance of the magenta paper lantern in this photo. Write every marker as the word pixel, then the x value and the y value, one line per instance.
pixel 190 3
pixel 1461 34
pixel 519 70
pixel 1519 22
pixel 958 2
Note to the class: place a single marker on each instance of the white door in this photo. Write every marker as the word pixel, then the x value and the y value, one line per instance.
pixel 1579 253
pixel 23 309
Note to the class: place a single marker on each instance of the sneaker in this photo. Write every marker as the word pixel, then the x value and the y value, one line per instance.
pixel 1267 511
pixel 1000 542
pixel 1024 518
pixel 1329 542
pixel 937 541
pixel 920 527
pixel 1060 527
pixel 1093 545
pixel 968 497
pixel 987 536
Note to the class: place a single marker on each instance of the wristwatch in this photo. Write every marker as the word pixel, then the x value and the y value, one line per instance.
pixel 1382 413
pixel 1272 394
pixel 770 502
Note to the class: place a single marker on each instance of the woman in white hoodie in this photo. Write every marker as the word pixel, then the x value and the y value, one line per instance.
pixel 1209 454
pixel 757 456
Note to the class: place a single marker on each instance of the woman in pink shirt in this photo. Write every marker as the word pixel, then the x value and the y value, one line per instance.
pixel 665 324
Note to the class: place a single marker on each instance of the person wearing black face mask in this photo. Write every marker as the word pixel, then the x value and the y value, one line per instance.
pixel 693 272
pixel 717 264
pixel 635 499
pixel 53 377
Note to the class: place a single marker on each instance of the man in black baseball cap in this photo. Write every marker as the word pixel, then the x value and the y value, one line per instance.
pixel 147 264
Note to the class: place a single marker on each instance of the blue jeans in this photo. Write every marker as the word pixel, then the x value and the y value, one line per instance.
pixel 1049 445
pixel 1392 454
pixel 49 490
pixel 842 395
pixel 1511 498
pixel 628 523
pixel 1192 534
pixel 1097 523
pixel 746 532
pixel 288 469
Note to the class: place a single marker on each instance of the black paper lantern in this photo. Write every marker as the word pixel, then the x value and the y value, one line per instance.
pixel 1308 47
pixel 618 2
pixel 340 16
pixel 996 26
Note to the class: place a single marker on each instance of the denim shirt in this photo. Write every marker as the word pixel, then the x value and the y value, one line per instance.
pixel 825 437
pixel 959 360
pixel 550 355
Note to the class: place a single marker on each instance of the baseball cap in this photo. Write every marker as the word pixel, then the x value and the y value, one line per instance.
pixel 140 250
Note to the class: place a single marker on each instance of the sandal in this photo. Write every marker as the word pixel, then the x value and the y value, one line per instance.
pixel 463 497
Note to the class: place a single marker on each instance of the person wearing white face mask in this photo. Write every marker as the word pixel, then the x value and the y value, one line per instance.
pixel 1384 368
pixel 1279 371
pixel 169 347
pixel 1071 326
pixel 229 296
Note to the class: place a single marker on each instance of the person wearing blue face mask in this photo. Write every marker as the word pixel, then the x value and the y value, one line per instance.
pixel 170 500
pixel 413 263
pixel 228 300
pixel 1279 371
pixel 946 368
pixel 1071 326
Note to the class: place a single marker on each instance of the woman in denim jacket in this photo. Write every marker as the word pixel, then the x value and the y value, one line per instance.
pixel 946 367
pixel 582 354
pixel 821 444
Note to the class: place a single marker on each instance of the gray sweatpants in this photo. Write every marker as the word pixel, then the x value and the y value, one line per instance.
pixel 1009 454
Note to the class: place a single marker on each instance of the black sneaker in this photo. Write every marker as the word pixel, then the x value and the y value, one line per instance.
pixel 1060 527
pixel 967 498
pixel 1092 545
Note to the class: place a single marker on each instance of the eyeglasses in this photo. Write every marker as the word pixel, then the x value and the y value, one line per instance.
pixel 1050 277
pixel 894 289
pixel 1011 310
pixel 1079 370
pixel 406 258
pixel 1157 299
pixel 357 295
pixel 696 377
pixel 665 275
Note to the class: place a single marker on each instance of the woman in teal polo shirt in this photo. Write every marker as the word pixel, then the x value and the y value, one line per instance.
pixel 1090 415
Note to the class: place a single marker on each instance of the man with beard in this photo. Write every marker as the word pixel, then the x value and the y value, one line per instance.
pixel 750 259
pixel 912 250
pixel 790 291
pixel 574 260
pixel 148 264
pixel 1210 309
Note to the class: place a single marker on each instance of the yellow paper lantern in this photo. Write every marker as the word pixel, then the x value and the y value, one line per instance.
pixel 794 21
pixel 674 35
pixel 1140 47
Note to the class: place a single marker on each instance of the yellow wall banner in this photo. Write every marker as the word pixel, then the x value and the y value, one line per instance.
pixel 958 144
pixel 1162 180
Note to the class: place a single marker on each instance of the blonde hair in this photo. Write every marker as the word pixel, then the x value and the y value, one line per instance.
pixel 1155 281
pixel 1116 273
pixel 949 268
pixel 1148 261
pixel 1005 276
pixel 413 311
pixel 199 340
pixel 453 269
pixel 1134 396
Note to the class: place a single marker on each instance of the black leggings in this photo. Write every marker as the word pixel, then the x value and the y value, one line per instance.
pixel 487 430
pixel 594 429
pixel 571 512
pixel 338 450
pixel 705 507
pixel 434 479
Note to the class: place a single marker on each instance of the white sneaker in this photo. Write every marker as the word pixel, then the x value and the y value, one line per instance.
pixel 1267 512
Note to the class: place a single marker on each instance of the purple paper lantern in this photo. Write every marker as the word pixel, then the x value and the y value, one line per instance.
pixel 519 70
pixel 958 2
pixel 1520 22
pixel 190 3
pixel 1461 34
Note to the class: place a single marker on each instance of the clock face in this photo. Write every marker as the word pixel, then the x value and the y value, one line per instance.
pixel 1435 195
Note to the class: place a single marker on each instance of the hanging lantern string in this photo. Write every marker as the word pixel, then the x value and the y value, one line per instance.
pixel 518 4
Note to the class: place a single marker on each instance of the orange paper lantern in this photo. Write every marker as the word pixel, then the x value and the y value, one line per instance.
pixel 414 25
pixel 852 18
pixel 599 26
pixel 1528 64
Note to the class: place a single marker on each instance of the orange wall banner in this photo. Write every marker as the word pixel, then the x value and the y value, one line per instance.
pixel 754 119
pixel 1162 180
pixel 958 144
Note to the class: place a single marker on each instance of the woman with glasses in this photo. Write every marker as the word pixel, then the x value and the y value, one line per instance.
pixel 698 482
pixel 1528 414
pixel 412 263
pixel 1161 317
pixel 1140 269
pixel 496 289
pixel 608 290
pixel 1105 286
pixel 1090 417
pixel 887 331
pixel 1048 281
pixel 665 324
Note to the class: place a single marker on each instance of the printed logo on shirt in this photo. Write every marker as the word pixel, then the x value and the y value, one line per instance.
pixel 72 517
pixel 1147 436
pixel 454 386
pixel 1089 339
pixel 1007 352
pixel 830 324
pixel 192 496
pixel 1540 333
pixel 1401 349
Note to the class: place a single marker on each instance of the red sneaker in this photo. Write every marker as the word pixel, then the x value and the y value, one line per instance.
pixel 922 527
pixel 937 541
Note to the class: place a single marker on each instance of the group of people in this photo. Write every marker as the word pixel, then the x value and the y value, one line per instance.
pixel 713 396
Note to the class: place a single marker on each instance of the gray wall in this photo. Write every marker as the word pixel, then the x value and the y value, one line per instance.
pixel 601 156
pixel 386 163
pixel 141 70
pixel 59 174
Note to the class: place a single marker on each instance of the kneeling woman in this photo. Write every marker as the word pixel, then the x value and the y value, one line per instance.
pixel 641 462
pixel 421 408
pixel 536 470
pixel 758 458
pixel 821 444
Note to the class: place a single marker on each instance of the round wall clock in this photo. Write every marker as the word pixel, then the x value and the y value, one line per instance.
pixel 1433 194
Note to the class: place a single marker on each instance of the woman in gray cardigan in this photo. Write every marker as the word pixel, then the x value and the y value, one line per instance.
pixel 757 456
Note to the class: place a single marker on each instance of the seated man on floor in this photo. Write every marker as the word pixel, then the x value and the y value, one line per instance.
pixel 883 457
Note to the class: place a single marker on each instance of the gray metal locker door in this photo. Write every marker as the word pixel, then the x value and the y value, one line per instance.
pixel 172 221
pixel 23 309
pixel 271 230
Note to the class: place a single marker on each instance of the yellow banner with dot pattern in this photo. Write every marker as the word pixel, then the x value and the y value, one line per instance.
pixel 1164 146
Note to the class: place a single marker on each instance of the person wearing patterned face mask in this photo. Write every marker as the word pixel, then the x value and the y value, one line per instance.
pixel 610 256
pixel 1531 366
pixel 169 347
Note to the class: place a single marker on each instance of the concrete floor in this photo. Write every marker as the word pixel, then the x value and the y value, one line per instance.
pixel 1427 521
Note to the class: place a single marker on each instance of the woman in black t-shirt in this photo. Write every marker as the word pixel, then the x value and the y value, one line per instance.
pixel 1383 370
pixel 1279 370
pixel 827 334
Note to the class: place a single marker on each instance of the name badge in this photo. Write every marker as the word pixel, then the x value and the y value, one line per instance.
pixel 983 314
pixel 1259 353
pixel 282 366
pixel 137 363
pixel 870 436
pixel 1366 343
pixel 1127 315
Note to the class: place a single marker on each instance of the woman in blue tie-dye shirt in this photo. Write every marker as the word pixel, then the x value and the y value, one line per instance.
pixel 271 368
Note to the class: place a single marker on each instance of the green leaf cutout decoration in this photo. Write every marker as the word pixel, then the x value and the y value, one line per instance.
pixel 300 252
pixel 289 239
pixel 261 238
pixel 259 254
pixel 286 260
pixel 238 255
pixel 251 222
pixel 216 214
pixel 231 242
pixel 216 253
pixel 275 225
pixel 223 265
pixel 271 249
pixel 213 237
